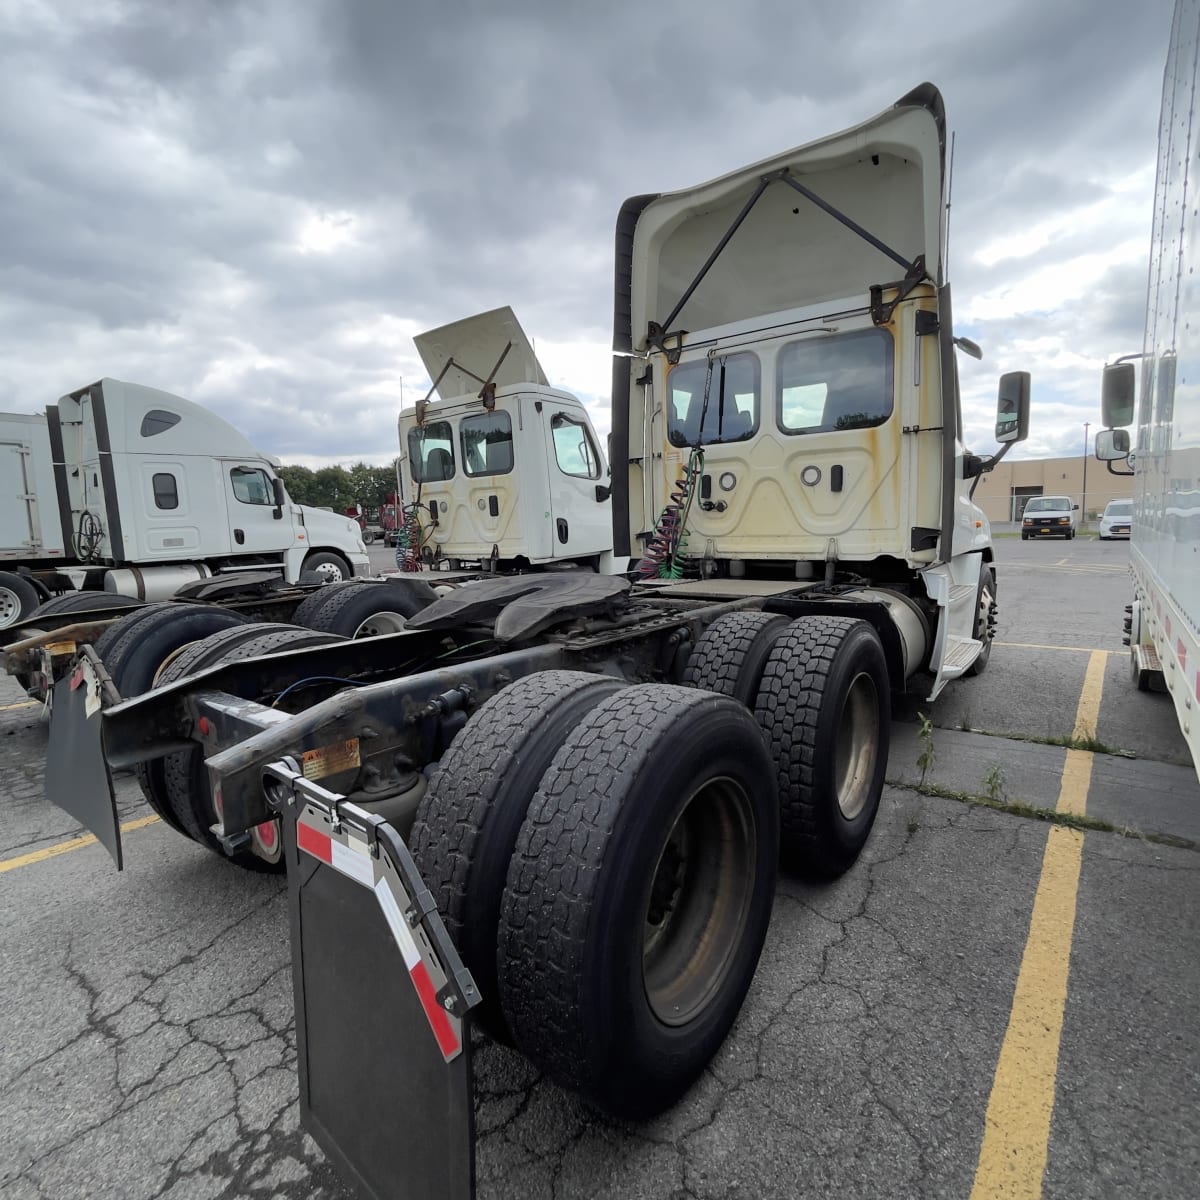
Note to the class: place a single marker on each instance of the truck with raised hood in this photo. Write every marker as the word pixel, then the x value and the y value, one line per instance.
pixel 563 796
pixel 1154 435
pixel 501 470
pixel 121 489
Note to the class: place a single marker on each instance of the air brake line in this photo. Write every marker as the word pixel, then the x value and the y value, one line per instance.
pixel 663 557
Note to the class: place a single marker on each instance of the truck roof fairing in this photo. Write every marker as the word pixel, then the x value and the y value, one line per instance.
pixel 462 356
pixel 886 175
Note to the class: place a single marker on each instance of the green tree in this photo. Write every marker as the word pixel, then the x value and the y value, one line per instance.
pixel 299 483
pixel 340 487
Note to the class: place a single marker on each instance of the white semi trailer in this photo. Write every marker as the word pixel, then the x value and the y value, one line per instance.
pixel 1156 433
pixel 126 489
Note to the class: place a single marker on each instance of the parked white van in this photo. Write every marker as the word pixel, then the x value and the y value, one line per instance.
pixel 1047 516
pixel 1117 518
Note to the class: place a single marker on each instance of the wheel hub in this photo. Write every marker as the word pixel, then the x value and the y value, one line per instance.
pixel 698 901
pixel 10 608
pixel 857 746
pixel 378 624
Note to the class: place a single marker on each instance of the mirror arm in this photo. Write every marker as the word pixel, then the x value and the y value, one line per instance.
pixel 976 467
pixel 1113 471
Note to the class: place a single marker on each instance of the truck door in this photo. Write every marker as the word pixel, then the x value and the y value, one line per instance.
pixel 578 476
pixel 250 508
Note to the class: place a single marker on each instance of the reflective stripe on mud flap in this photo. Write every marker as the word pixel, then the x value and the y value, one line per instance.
pixel 439 1020
pixel 354 863
pixel 351 857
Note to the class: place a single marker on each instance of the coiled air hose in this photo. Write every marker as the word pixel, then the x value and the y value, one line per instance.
pixel 663 557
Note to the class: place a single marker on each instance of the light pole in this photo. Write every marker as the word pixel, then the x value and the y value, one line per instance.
pixel 1083 506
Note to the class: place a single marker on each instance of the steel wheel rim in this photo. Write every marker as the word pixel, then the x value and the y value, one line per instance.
pixel 378 624
pixel 857 747
pixel 330 572
pixel 699 901
pixel 10 607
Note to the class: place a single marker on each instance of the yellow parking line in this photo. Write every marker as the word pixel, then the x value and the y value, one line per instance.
pixel 20 704
pixel 1016 1137
pixel 1036 646
pixel 27 860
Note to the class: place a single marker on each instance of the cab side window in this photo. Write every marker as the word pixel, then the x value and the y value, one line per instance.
pixel 251 485
pixel 574 450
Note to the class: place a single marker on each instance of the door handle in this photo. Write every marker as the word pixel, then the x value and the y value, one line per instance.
pixel 239 536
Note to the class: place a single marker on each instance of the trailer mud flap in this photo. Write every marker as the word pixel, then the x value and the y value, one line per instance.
pixel 382 1003
pixel 77 776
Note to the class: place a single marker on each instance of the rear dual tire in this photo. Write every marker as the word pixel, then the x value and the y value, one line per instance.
pixel 638 896
pixel 469 818
pixel 605 859
pixel 363 609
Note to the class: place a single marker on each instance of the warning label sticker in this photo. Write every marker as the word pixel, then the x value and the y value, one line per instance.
pixel 329 760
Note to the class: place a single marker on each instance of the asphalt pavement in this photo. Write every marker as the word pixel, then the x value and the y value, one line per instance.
pixel 999 999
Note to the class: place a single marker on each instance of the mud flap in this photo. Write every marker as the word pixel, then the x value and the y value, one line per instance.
pixel 77 776
pixel 382 1003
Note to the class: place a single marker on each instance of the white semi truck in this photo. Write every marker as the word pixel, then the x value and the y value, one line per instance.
pixel 559 800
pixel 500 470
pixel 129 490
pixel 1162 454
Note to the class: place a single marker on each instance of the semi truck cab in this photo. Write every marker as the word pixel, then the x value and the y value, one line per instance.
pixel 500 469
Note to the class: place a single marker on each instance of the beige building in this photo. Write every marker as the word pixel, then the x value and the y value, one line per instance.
pixel 1002 493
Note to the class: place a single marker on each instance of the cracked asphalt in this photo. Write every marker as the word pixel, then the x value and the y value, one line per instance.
pixel 148 1047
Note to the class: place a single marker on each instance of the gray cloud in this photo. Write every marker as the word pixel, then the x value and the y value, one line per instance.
pixel 162 161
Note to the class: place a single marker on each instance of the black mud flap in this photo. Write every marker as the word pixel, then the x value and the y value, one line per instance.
pixel 382 1003
pixel 77 776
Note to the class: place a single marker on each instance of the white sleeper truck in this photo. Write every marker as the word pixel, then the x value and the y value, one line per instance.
pixel 1154 436
pixel 501 470
pixel 129 490
pixel 554 804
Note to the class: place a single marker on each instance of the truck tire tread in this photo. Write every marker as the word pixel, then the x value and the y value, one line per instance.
pixel 468 820
pixel 84 601
pixel 802 686
pixel 348 605
pixel 137 654
pixel 572 921
pixel 731 654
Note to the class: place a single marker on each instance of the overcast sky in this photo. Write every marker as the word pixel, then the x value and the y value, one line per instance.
pixel 257 203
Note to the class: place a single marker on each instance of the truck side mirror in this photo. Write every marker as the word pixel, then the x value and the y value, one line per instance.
pixel 1112 445
pixel 1117 390
pixel 280 497
pixel 1012 407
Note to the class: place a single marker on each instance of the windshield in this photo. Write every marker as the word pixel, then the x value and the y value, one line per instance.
pixel 1119 508
pixel 1048 504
